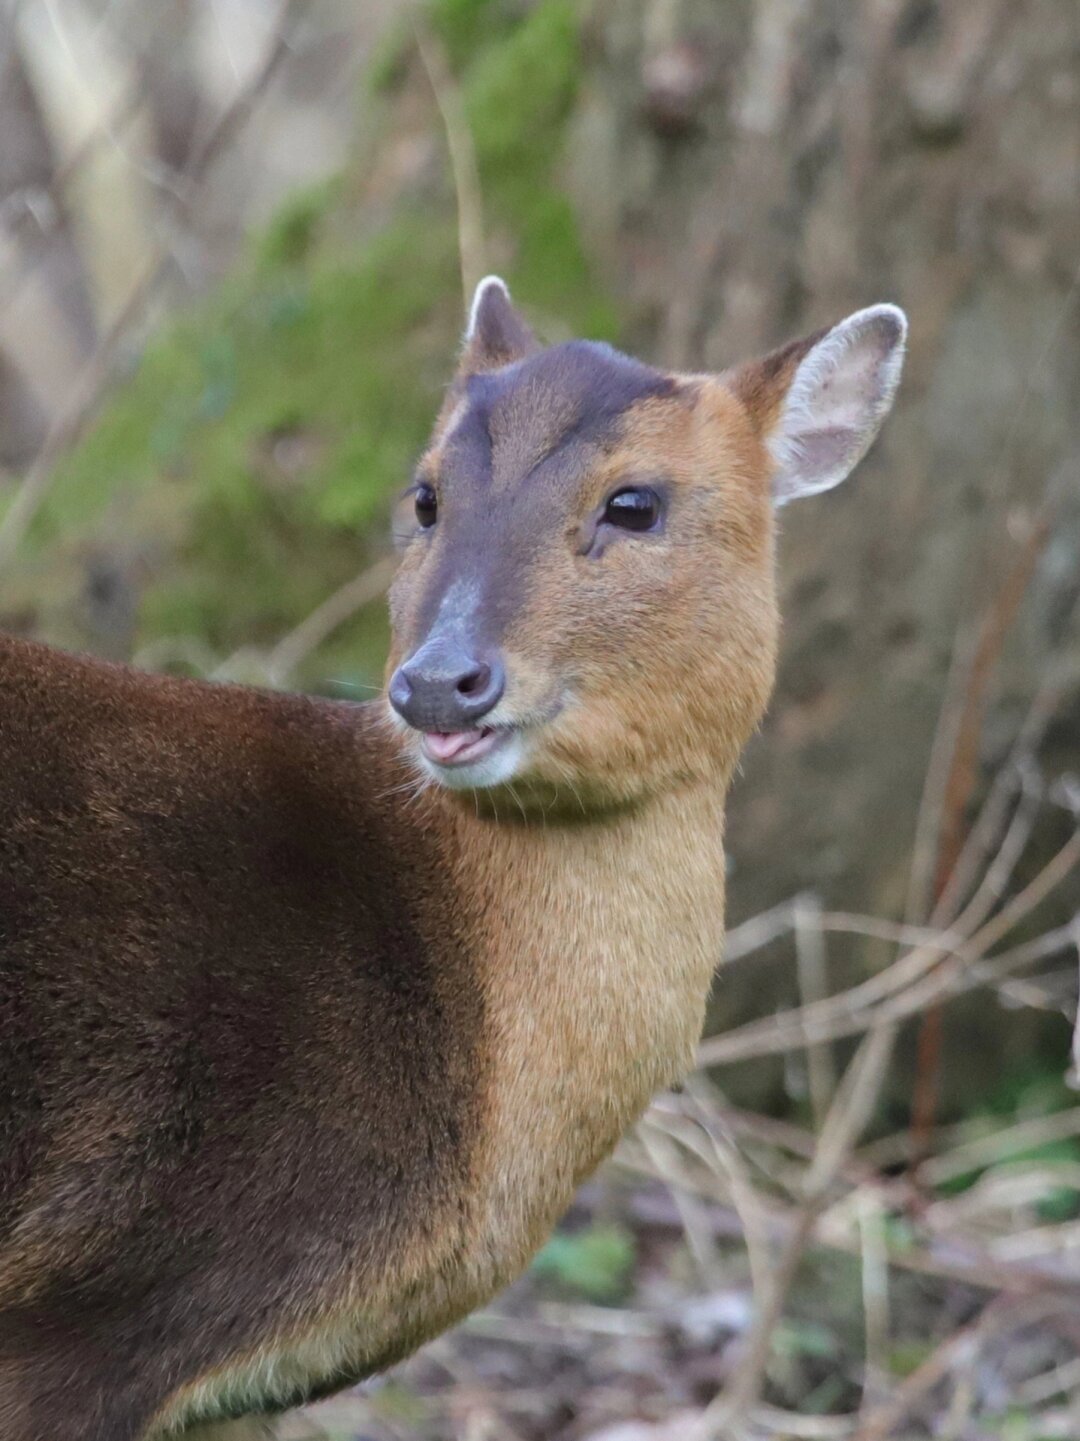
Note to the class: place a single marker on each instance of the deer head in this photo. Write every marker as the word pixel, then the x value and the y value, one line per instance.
pixel 586 600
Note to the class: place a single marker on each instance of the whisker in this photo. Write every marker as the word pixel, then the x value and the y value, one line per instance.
pixel 569 775
pixel 354 685
pixel 416 784
pixel 517 801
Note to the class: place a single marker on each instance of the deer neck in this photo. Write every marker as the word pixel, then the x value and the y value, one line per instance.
pixel 596 947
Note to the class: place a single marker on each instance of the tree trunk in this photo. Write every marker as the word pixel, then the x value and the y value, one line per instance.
pixel 753 170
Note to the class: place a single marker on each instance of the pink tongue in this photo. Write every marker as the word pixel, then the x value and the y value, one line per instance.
pixel 442 746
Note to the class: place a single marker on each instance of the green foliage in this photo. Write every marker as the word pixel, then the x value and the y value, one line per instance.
pixel 804 1338
pixel 517 97
pixel 907 1355
pixel 252 451
pixel 1024 1096
pixel 467 27
pixel 518 92
pixel 398 1403
pixel 291 235
pixel 596 1264
pixel 389 60
pixel 324 364
pixel 898 1233
pixel 1017 1425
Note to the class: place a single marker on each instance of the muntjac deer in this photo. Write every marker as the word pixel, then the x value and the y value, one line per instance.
pixel 313 1015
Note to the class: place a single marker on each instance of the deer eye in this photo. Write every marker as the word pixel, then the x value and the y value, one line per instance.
pixel 633 508
pixel 427 505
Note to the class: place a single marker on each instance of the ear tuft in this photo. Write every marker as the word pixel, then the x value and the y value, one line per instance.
pixel 496 334
pixel 821 402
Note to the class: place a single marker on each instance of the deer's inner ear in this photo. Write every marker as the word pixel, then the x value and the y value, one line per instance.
pixel 819 402
pixel 496 334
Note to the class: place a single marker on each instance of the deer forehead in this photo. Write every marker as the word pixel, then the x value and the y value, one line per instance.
pixel 540 417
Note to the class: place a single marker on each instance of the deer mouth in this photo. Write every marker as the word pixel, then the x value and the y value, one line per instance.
pixel 484 755
pixel 460 748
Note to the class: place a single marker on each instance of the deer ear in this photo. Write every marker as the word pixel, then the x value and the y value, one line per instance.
pixel 819 402
pixel 496 334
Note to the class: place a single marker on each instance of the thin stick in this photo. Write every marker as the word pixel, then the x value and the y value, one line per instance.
pixel 472 251
pixel 874 1276
pixel 1003 1314
pixel 810 966
pixel 92 382
pixel 959 788
pixel 325 619
pixel 983 835
pixel 989 1150
pixel 698 1237
pixel 850 1110
pixel 903 990
pixel 929 820
pixel 744 1197
pixel 756 933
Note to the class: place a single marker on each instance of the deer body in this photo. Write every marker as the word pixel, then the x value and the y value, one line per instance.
pixel 297 1066
pixel 224 1077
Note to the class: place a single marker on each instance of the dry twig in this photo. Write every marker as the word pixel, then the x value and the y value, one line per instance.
pixel 97 373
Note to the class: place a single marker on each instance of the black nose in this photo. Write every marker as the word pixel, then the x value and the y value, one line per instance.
pixel 445 688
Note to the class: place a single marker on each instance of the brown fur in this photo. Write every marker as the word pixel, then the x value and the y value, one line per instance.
pixel 762 384
pixel 296 1067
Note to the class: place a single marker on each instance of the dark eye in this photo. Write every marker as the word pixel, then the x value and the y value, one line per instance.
pixel 427 505
pixel 635 508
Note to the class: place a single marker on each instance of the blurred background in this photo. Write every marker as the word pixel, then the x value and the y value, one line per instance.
pixel 234 236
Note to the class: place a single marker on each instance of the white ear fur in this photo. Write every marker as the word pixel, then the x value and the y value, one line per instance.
pixel 479 293
pixel 841 392
pixel 496 335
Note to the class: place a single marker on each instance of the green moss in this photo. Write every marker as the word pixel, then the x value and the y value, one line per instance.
pixel 284 413
pixel 291 235
pixel 596 1264
pixel 518 95
pixel 250 455
pixel 390 59
pixel 466 27
pixel 906 1356
pixel 794 1337
pixel 553 272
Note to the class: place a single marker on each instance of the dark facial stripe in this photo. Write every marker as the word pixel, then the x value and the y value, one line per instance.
pixel 511 469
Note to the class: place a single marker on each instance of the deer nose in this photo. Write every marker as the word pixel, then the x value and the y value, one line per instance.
pixel 444 687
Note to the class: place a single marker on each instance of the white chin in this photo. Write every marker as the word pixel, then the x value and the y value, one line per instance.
pixel 494 769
